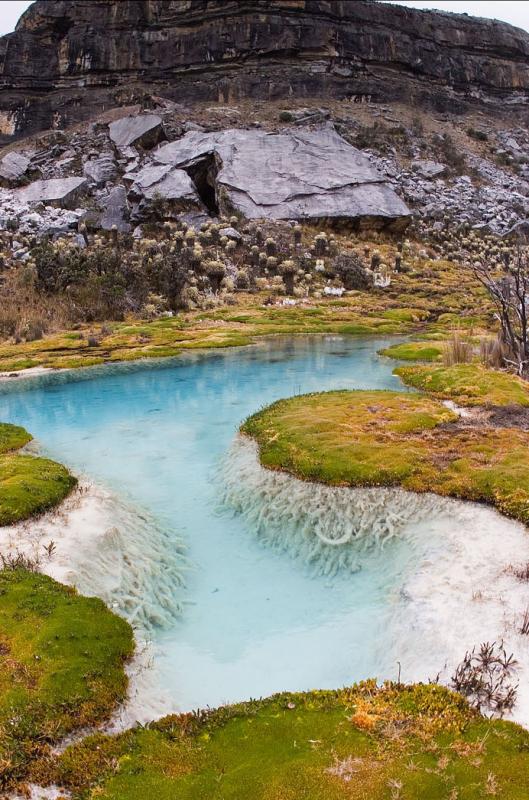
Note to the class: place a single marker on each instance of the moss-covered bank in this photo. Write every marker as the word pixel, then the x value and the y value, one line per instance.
pixel 61 666
pixel 379 438
pixel 467 384
pixel 29 485
pixel 414 351
pixel 359 743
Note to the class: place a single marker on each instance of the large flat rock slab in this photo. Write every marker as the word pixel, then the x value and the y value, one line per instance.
pixel 289 175
pixel 165 182
pixel 56 191
pixel 144 130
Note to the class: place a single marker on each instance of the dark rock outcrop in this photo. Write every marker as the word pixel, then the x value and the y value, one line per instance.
pixel 68 61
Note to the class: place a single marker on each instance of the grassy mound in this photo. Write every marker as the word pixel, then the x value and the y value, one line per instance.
pixel 358 743
pixel 31 485
pixel 467 384
pixel 12 437
pixel 414 351
pixel 378 438
pixel 28 485
pixel 61 666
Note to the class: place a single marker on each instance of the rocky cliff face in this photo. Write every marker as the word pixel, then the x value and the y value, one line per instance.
pixel 69 60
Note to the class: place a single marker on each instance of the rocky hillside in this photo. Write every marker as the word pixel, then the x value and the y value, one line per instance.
pixel 68 61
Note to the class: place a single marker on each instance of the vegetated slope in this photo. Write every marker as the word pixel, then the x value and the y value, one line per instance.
pixel 361 743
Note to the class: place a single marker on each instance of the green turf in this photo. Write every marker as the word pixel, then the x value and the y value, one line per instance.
pixel 30 485
pixel 467 384
pixel 394 439
pixel 61 666
pixel 359 743
pixel 414 351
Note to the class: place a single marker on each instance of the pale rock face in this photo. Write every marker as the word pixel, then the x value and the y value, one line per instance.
pixel 163 181
pixel 57 191
pixel 14 166
pixel 289 175
pixel 144 130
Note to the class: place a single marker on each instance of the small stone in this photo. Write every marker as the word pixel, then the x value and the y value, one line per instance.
pixel 428 169
pixel 231 233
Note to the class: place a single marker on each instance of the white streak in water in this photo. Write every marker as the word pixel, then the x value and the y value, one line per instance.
pixel 457 591
pixel 109 548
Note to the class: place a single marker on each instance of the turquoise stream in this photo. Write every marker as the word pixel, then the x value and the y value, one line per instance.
pixel 256 620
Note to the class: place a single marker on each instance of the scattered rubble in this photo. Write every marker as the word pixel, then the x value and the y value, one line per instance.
pixel 284 173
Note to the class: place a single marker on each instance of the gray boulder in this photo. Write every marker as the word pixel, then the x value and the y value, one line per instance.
pixel 164 181
pixel 116 211
pixel 62 192
pixel 144 130
pixel 230 233
pixel 101 169
pixel 309 174
pixel 428 169
pixel 13 167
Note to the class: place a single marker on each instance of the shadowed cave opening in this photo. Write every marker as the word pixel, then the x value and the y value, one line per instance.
pixel 203 172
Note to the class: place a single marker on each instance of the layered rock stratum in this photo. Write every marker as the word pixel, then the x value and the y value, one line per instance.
pixel 67 61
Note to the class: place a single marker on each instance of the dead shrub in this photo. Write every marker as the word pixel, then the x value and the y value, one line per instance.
pixel 485 678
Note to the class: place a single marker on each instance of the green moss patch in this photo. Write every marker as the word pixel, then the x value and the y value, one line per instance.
pixel 360 316
pixel 394 439
pixel 414 351
pixel 468 384
pixel 358 743
pixel 12 437
pixel 61 666
pixel 30 485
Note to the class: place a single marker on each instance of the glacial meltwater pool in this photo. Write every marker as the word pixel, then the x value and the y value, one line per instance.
pixel 249 582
